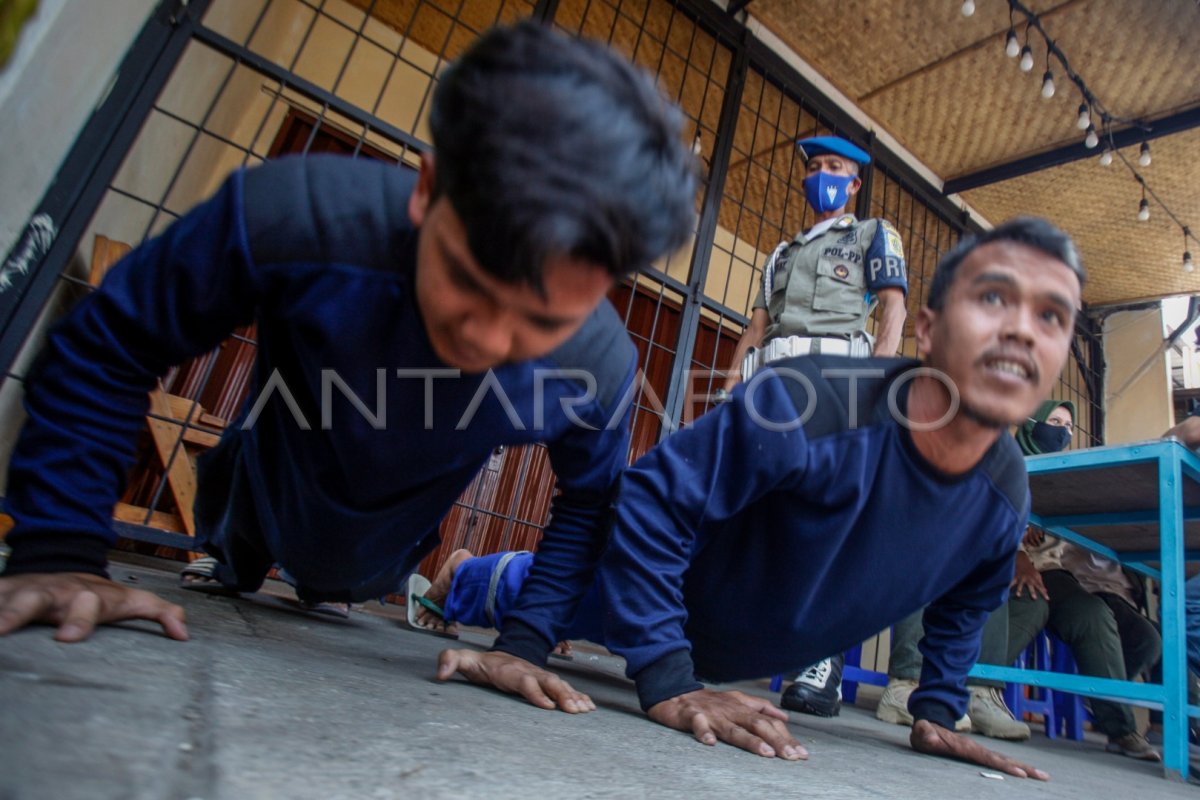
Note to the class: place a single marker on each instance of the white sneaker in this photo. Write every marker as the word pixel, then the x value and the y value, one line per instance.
pixel 893 706
pixel 991 717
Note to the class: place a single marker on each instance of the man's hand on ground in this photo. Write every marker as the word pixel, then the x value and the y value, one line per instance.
pixel 937 741
pixel 77 602
pixel 516 676
pixel 733 717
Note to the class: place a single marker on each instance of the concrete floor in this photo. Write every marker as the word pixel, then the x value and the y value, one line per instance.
pixel 267 701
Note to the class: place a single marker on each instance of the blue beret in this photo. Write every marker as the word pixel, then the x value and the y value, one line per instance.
pixel 832 145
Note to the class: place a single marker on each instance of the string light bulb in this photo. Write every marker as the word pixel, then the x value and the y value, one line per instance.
pixel 1048 85
pixel 1026 59
pixel 1085 118
pixel 968 8
pixel 1012 48
pixel 1089 103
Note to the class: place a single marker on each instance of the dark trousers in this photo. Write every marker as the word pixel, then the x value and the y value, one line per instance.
pixel 1001 640
pixel 1108 637
pixel 228 527
pixel 226 520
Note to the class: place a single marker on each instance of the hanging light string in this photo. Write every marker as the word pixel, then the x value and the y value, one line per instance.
pixel 1033 21
pixel 1089 109
pixel 1147 190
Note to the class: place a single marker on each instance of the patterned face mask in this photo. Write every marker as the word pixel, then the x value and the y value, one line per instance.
pixel 825 192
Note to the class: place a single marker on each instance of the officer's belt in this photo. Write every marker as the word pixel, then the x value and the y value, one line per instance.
pixel 791 346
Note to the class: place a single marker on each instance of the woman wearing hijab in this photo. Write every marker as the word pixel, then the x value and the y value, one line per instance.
pixel 1049 429
pixel 1086 600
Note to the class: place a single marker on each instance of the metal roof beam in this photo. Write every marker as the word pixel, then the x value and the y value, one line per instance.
pixel 1175 123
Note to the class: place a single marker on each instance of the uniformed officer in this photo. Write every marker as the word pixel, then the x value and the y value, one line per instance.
pixel 817 293
pixel 819 289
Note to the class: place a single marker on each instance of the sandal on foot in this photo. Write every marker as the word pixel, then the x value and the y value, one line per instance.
pixel 198 576
pixel 414 598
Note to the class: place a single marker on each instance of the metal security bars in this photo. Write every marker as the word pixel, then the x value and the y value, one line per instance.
pixel 694 63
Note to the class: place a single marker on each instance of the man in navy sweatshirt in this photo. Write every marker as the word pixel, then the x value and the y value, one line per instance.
pixel 407 326
pixel 831 497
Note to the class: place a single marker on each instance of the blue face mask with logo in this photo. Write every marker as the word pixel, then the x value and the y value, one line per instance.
pixel 825 192
pixel 1051 438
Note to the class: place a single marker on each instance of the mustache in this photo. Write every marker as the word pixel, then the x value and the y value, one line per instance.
pixel 1014 354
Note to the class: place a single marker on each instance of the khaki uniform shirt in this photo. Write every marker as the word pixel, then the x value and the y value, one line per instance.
pixel 1097 573
pixel 825 286
pixel 1047 555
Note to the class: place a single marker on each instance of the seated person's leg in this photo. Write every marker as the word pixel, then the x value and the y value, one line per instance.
pixel 1087 625
pixel 904 673
pixel 987 712
pixel 994 644
pixel 1141 644
pixel 1026 618
pixel 904 670
pixel 905 660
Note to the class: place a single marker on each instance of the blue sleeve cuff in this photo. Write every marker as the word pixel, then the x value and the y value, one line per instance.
pixel 936 712
pixel 521 640
pixel 670 676
pixel 57 552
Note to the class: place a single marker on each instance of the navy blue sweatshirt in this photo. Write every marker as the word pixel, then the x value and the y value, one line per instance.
pixel 749 544
pixel 320 253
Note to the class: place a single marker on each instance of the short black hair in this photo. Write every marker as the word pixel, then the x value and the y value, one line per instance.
pixel 1032 232
pixel 550 146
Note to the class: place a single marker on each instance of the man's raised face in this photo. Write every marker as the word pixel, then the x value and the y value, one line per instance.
pixel 1004 331
pixel 474 320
